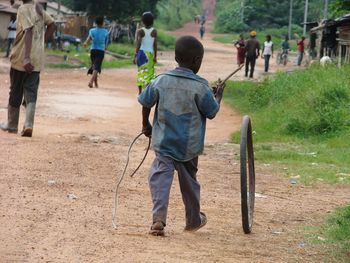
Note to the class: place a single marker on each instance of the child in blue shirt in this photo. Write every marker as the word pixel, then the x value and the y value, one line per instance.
pixel 99 38
pixel 183 103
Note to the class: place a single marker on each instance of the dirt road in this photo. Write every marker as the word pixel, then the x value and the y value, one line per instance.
pixel 79 147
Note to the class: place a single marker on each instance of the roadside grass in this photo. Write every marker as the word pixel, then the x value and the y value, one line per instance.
pixel 333 236
pixel 301 122
pixel 81 59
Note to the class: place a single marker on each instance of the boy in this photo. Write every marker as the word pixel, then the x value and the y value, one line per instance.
pixel 146 51
pixel 27 60
pixel 99 38
pixel 184 101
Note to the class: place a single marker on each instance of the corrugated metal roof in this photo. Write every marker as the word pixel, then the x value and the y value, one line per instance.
pixel 7 9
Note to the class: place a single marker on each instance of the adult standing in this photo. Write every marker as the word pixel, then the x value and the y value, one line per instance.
pixel 99 38
pixel 301 50
pixel 11 34
pixel 267 52
pixel 252 53
pixel 240 45
pixel 26 63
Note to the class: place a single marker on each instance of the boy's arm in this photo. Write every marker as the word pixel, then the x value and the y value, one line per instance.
pixel 139 37
pixel 49 31
pixel 28 40
pixel 146 125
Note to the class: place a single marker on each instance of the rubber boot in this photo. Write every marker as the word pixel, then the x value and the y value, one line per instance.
pixel 12 120
pixel 29 122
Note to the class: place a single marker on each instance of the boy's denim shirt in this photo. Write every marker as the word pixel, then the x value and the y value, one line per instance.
pixel 184 102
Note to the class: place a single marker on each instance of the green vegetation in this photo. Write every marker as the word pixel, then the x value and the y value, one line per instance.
pixel 175 13
pixel 82 59
pixel 165 41
pixel 301 122
pixel 262 14
pixel 340 8
pixel 121 10
pixel 334 236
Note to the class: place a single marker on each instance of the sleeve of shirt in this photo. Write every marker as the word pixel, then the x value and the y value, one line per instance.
pixel 47 18
pixel 207 105
pixel 90 33
pixel 26 19
pixel 149 97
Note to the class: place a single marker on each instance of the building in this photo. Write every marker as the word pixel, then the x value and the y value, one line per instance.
pixel 6 11
pixel 335 38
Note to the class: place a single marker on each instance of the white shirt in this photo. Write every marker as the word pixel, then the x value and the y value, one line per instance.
pixel 268 48
pixel 147 43
pixel 12 33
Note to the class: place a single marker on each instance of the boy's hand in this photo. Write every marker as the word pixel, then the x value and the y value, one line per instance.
pixel 147 130
pixel 219 91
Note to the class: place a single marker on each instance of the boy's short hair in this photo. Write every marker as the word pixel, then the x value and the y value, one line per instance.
pixel 188 47
pixel 147 19
pixel 99 20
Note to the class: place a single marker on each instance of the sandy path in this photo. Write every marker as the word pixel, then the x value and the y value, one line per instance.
pixel 80 141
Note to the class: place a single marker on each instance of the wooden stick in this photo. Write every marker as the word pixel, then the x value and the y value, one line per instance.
pixel 233 73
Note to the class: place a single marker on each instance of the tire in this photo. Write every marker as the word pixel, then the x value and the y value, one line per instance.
pixel 247 175
pixel 278 58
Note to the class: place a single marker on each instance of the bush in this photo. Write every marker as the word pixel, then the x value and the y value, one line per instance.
pixel 166 41
pixel 307 103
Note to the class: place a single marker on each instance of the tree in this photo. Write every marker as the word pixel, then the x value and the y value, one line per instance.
pixel 340 7
pixel 115 9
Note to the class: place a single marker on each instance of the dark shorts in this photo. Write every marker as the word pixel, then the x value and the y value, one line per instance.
pixel 97 57
pixel 23 85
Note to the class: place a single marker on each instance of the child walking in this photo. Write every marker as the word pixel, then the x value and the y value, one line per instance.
pixel 183 103
pixel 146 51
pixel 99 38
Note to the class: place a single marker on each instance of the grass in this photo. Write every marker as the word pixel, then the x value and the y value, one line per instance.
pixel 333 236
pixel 301 122
pixel 82 58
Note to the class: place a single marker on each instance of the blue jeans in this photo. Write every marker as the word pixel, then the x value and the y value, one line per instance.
pixel 160 181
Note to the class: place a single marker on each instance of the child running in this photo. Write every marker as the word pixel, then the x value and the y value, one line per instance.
pixel 99 38
pixel 183 103
pixel 146 51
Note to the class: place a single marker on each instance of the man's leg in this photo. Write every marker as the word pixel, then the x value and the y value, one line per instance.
pixel 190 190
pixel 15 100
pixel 247 61
pixel 160 180
pixel 30 87
pixel 9 44
pixel 252 67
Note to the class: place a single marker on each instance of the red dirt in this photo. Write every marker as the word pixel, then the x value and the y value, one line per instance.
pixel 80 140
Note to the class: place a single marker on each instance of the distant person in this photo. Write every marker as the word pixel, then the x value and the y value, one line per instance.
pixel 301 50
pixel 99 38
pixel 183 102
pixel 27 61
pixel 252 53
pixel 203 19
pixel 201 31
pixel 11 34
pixel 240 45
pixel 267 52
pixel 285 50
pixel 146 51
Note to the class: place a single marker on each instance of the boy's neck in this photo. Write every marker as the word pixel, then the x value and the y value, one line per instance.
pixel 185 67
